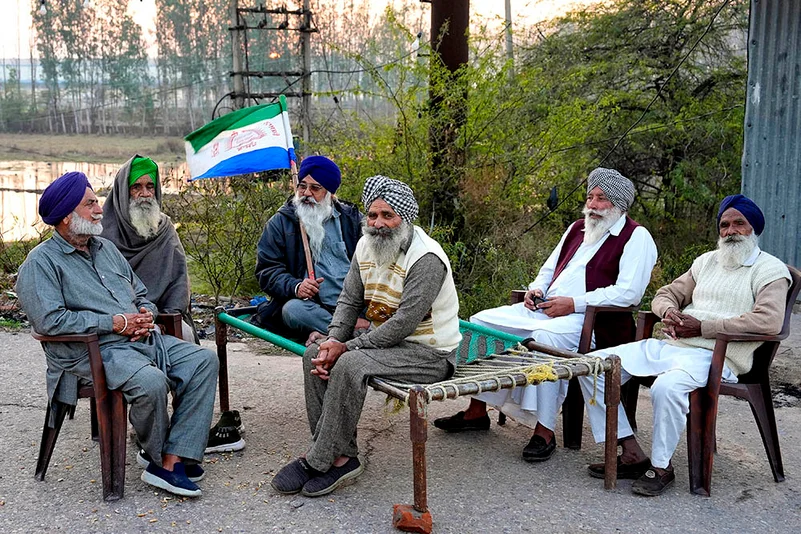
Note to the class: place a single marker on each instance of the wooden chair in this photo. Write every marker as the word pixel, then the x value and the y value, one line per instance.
pixel 753 386
pixel 611 329
pixel 108 412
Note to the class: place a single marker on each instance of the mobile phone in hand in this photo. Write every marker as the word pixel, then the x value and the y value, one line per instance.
pixel 538 301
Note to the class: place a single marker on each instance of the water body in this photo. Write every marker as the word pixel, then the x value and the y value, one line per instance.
pixel 22 183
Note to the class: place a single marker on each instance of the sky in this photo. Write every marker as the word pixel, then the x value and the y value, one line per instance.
pixel 16 20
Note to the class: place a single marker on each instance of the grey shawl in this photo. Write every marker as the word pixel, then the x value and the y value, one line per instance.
pixel 160 262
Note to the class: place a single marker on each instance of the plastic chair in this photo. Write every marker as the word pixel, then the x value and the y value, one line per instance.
pixel 108 412
pixel 753 386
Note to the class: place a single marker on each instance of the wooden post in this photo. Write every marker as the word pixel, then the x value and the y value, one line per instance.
pixel 416 518
pixel 221 338
pixel 612 400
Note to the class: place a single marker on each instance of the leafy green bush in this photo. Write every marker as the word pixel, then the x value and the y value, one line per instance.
pixel 219 223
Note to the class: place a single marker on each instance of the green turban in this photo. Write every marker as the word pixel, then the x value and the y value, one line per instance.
pixel 141 167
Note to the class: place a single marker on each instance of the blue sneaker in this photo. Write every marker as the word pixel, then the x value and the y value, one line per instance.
pixel 174 481
pixel 194 472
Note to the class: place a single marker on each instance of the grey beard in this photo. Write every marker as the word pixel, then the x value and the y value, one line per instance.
pixel 80 227
pixel 735 249
pixel 385 243
pixel 313 215
pixel 145 216
pixel 594 229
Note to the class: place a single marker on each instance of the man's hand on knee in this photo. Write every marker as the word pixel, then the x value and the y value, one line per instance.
pixel 329 352
pixel 314 337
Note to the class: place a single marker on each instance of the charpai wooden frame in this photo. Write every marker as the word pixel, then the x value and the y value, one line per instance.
pixel 417 518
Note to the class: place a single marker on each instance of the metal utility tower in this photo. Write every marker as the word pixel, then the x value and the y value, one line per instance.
pixel 260 18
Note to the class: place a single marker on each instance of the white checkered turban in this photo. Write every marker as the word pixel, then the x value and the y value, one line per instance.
pixel 397 194
pixel 617 188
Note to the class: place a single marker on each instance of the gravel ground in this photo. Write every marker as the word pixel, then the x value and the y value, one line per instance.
pixel 477 482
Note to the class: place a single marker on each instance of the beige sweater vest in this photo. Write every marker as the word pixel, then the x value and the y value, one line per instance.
pixel 383 288
pixel 722 293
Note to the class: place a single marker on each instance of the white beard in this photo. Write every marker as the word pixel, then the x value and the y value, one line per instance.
pixel 145 216
pixel 735 249
pixel 80 227
pixel 594 229
pixel 385 243
pixel 313 215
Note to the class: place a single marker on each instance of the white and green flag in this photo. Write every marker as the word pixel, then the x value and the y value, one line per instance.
pixel 253 139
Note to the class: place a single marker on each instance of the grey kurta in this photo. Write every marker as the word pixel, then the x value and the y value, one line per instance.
pixel 67 291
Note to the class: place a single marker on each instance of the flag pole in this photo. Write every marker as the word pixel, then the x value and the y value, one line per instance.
pixel 304 238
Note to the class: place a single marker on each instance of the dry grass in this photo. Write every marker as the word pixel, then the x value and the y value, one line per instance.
pixel 89 148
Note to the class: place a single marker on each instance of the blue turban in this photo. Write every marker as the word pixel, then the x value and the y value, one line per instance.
pixel 323 170
pixel 62 196
pixel 747 207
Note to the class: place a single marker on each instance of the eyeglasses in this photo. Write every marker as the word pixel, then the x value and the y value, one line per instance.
pixel 315 188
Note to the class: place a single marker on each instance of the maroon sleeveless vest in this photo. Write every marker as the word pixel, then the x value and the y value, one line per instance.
pixel 601 271
pixel 603 268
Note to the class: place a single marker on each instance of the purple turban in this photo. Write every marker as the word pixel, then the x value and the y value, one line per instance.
pixel 62 196
pixel 323 170
pixel 747 207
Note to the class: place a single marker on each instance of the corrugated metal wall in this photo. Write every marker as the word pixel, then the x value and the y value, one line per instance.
pixel 772 152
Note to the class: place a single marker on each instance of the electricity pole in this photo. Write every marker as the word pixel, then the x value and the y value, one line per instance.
pixel 448 94
pixel 509 52
pixel 236 56
pixel 305 52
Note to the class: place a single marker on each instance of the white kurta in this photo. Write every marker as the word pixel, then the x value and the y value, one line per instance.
pixel 531 404
pixel 678 371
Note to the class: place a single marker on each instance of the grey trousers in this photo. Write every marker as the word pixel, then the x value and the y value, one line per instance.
pixel 334 406
pixel 192 375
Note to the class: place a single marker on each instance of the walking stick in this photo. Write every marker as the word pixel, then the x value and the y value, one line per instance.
pixel 303 237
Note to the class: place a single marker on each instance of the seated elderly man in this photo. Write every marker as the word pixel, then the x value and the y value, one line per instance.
pixel 134 222
pixel 300 305
pixel 76 283
pixel 737 288
pixel 604 259
pixel 404 279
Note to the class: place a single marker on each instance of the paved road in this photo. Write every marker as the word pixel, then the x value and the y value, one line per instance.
pixel 477 483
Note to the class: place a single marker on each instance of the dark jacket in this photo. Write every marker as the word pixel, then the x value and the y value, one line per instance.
pixel 281 261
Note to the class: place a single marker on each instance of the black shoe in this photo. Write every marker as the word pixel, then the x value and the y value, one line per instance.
pixel 652 484
pixel 331 479
pixel 291 478
pixel 230 418
pixel 457 423
pixel 632 471
pixel 224 439
pixel 538 450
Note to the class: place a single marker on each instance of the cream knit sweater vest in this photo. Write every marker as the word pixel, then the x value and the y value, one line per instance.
pixel 722 293
pixel 383 288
